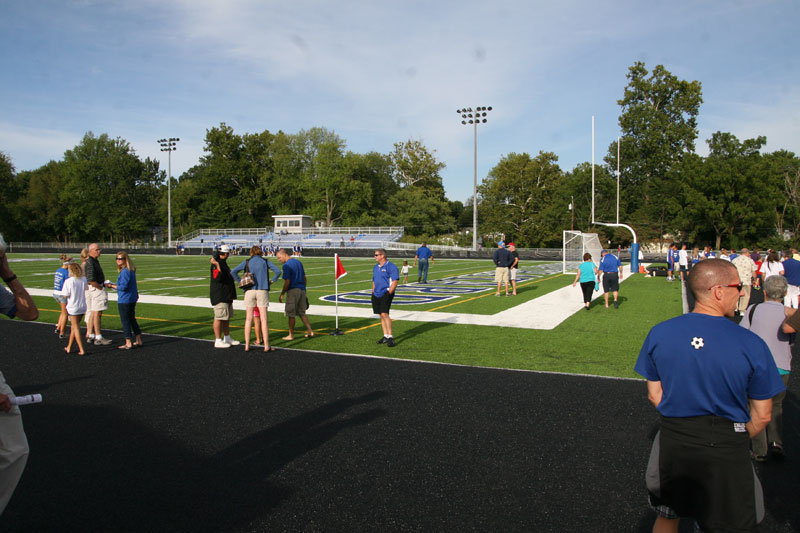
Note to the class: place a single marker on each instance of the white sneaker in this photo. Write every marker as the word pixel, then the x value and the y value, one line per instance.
pixel 219 343
pixel 232 342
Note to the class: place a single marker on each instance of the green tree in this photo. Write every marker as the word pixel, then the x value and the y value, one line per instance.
pixel 416 166
pixel 659 126
pixel 111 193
pixel 514 197
pixel 782 182
pixel 724 192
pixel 9 190
pixel 45 212
pixel 419 212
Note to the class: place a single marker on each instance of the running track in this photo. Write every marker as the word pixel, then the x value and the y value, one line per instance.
pixel 178 436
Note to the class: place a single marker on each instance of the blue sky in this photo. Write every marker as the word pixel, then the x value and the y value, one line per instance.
pixel 380 72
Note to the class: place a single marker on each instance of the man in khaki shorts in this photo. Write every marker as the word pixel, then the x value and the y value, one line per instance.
pixel 502 261
pixel 294 287
pixel 223 293
pixel 96 297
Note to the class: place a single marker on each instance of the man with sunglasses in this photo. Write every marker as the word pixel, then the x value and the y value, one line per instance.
pixel 96 297
pixel 384 281
pixel 712 383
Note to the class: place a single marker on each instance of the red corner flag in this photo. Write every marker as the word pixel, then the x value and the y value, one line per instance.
pixel 339 269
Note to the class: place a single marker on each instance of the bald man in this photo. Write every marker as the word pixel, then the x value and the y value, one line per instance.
pixel 712 382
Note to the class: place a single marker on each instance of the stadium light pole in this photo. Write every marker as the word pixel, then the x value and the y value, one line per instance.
pixel 169 146
pixel 474 117
pixel 572 211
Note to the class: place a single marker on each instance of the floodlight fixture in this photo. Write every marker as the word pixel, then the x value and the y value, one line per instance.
pixel 474 118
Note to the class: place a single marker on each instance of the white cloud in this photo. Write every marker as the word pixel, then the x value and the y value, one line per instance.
pixel 31 148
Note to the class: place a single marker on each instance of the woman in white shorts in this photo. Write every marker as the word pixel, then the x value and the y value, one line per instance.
pixel 258 294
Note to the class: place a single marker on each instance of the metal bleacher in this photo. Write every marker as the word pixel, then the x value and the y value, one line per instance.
pixel 336 237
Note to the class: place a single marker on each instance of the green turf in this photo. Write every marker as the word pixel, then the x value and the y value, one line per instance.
pixel 187 276
pixel 600 342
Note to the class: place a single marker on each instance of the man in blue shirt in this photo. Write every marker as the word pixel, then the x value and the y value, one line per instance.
pixel 611 267
pixel 712 382
pixel 294 287
pixel 423 255
pixel 791 271
pixel 384 281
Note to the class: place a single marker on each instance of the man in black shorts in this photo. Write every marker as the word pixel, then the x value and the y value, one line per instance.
pixel 712 382
pixel 384 281
pixel 611 267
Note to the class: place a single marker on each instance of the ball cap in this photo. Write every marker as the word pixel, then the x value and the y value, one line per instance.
pixel 224 249
pixel 512 244
pixel 501 244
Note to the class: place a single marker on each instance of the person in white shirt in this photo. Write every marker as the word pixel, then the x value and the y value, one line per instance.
pixel 683 261
pixel 74 290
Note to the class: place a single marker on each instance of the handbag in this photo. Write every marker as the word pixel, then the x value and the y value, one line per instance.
pixel 247 281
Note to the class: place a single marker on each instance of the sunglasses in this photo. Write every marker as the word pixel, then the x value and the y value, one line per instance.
pixel 120 259
pixel 738 286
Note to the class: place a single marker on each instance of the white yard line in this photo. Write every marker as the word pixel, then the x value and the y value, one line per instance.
pixel 544 312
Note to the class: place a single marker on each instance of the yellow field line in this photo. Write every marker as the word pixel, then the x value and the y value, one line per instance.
pixel 363 328
pixel 209 324
pixel 489 294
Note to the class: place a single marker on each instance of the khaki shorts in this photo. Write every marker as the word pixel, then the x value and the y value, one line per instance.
pixel 223 311
pixel 296 303
pixel 96 299
pixel 256 298
pixel 501 274
pixel 513 274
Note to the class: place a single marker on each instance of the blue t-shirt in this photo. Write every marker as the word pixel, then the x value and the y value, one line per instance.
pixel 293 271
pixel 673 256
pixel 708 365
pixel 383 276
pixel 587 271
pixel 791 271
pixel 423 252
pixel 58 280
pixel 610 263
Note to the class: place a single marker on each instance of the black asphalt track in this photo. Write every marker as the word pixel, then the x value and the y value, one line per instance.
pixel 180 436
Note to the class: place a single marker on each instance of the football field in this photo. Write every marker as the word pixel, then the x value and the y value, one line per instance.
pixel 458 285
pixel 601 342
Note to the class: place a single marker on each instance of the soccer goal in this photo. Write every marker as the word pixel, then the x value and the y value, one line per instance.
pixel 576 244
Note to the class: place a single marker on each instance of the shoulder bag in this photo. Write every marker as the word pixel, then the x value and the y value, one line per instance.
pixel 247 281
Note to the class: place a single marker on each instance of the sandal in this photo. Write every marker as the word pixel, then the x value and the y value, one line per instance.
pixel 269 348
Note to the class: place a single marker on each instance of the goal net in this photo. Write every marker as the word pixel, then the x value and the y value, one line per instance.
pixel 576 244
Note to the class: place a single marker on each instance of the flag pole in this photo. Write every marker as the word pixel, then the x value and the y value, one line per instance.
pixel 336 330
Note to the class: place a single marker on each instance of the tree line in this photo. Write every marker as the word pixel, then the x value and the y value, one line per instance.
pixel 736 195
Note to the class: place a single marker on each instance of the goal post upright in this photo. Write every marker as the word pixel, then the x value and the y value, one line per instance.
pixel 635 244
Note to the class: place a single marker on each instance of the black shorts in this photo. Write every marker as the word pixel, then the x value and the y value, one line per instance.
pixel 610 281
pixel 381 305
pixel 700 468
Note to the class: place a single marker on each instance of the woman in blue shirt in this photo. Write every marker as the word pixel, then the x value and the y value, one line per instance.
pixel 587 275
pixel 258 294
pixel 127 296
pixel 58 283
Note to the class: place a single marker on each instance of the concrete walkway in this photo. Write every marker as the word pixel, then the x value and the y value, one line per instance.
pixel 545 312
